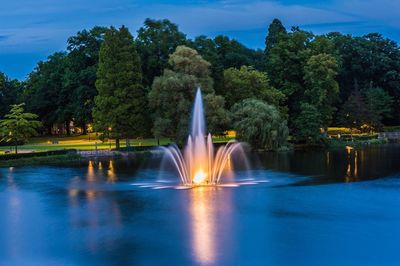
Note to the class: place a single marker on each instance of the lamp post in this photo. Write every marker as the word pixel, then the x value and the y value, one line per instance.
pixel 109 135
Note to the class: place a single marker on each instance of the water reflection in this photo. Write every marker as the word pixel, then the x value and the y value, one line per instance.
pixel 13 217
pixel 46 213
pixel 95 203
pixel 210 209
pixel 111 176
pixel 352 166
pixel 336 165
pixel 91 181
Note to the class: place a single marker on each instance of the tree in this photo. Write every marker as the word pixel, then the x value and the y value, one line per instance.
pixel 305 68
pixel 217 117
pixel 120 106
pixel 246 82
pixel 206 47
pixel 307 124
pixel 18 126
pixel 285 67
pixel 322 89
pixel 275 31
pixel 380 104
pixel 46 93
pixel 259 124
pixel 10 92
pixel 172 95
pixel 80 76
pixel 354 112
pixel 368 61
pixel 234 54
pixel 323 45
pixel 156 40
pixel 223 52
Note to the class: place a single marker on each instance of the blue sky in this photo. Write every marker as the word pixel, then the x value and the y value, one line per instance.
pixel 30 30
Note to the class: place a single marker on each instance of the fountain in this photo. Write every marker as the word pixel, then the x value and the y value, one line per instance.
pixel 199 165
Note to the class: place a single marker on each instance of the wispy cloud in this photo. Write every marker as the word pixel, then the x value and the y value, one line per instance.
pixel 43 26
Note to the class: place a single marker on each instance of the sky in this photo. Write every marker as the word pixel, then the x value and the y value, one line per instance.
pixel 31 30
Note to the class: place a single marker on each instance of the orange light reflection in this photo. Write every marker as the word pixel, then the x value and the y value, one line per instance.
pixel 203 225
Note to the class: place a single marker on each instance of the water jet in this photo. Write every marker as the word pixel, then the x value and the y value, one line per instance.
pixel 199 164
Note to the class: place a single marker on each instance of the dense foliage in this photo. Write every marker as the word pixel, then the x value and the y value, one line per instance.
pixel 156 40
pixel 172 95
pixel 45 93
pixel 259 124
pixel 136 87
pixel 120 106
pixel 10 92
pixel 246 82
pixel 80 76
pixel 17 126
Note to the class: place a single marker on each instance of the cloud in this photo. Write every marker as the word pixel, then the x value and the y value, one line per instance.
pixel 242 15
pixel 43 26
pixel 35 21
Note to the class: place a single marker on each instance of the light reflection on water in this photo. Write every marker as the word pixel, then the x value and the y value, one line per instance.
pixel 210 211
pixel 203 225
pixel 13 215
pixel 95 206
pixel 94 216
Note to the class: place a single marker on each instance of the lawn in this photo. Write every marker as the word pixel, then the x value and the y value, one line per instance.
pixel 83 142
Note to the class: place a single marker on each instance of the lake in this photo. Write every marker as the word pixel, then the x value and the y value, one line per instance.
pixel 334 207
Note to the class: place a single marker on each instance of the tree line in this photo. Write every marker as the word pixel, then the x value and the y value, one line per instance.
pixel 144 86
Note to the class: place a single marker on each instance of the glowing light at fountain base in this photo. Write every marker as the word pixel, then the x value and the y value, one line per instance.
pixel 199 177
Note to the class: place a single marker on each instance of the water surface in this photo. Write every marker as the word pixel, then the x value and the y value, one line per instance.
pixel 310 212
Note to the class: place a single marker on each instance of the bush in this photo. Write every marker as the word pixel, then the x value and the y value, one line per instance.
pixel 259 124
pixel 36 154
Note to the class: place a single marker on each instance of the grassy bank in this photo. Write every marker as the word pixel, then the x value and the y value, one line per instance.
pixel 81 142
pixel 85 143
pixel 56 160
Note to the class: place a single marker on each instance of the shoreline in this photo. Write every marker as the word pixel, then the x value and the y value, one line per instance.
pixel 77 158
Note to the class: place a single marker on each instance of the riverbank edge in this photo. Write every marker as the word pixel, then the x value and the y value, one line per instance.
pixel 51 160
pixel 81 158
pixel 74 159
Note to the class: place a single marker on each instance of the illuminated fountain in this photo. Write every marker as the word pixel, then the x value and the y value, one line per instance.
pixel 199 164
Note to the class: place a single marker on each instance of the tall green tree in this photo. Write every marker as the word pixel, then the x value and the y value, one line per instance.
pixel 46 94
pixel 172 95
pixel 305 68
pixel 223 52
pixel 275 31
pixel 120 106
pixel 234 54
pixel 307 124
pixel 321 44
pixel 206 47
pixel 10 92
pixel 321 87
pixel 218 118
pixel 246 82
pixel 354 112
pixel 156 40
pixel 380 104
pixel 80 77
pixel 259 124
pixel 368 61
pixel 18 126
pixel 285 66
